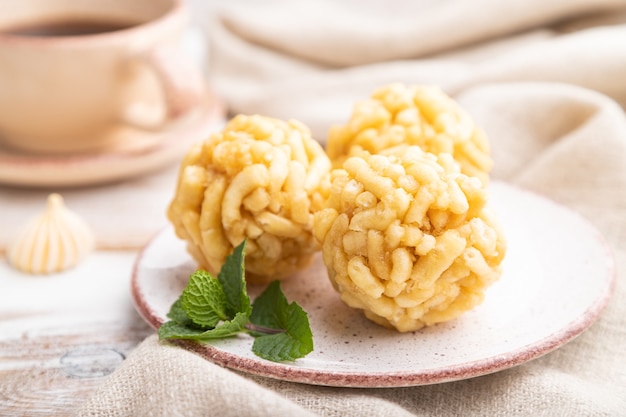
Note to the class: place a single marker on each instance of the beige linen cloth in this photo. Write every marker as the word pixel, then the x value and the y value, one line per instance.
pixel 545 79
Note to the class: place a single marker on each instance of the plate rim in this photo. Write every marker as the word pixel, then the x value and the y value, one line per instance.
pixel 397 379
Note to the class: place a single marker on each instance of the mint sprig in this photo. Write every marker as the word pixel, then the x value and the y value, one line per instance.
pixel 211 308
pixel 292 338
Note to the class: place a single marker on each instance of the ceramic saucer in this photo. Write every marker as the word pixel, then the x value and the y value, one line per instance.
pixel 137 152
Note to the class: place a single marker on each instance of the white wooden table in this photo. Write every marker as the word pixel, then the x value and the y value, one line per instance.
pixel 62 334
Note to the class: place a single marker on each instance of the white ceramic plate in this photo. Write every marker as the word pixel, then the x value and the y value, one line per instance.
pixel 136 152
pixel 558 276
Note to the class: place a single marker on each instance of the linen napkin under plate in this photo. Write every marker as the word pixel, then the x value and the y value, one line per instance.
pixel 544 79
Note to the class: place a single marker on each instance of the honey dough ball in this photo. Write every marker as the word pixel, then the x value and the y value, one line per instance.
pixel 261 179
pixel 415 115
pixel 407 238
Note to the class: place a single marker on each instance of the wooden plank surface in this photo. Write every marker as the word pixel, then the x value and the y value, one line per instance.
pixel 51 375
pixel 62 335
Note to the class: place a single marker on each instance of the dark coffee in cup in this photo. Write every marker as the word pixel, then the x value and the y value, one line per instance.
pixel 67 27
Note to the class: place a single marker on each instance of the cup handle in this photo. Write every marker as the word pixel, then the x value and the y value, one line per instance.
pixel 181 82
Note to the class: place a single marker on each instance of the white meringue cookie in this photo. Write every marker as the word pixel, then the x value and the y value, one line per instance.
pixel 54 240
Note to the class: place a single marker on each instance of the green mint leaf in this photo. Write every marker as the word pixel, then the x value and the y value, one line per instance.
pixel 272 310
pixel 269 309
pixel 279 348
pixel 211 308
pixel 203 300
pixel 233 279
pixel 177 313
pixel 176 330
pixel 227 328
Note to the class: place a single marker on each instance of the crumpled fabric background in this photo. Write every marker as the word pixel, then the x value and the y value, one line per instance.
pixel 311 60
pixel 546 80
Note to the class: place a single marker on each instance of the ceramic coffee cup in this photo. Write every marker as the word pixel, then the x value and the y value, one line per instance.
pixel 72 70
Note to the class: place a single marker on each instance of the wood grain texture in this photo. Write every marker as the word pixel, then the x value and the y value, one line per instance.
pixel 62 334
pixel 51 375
